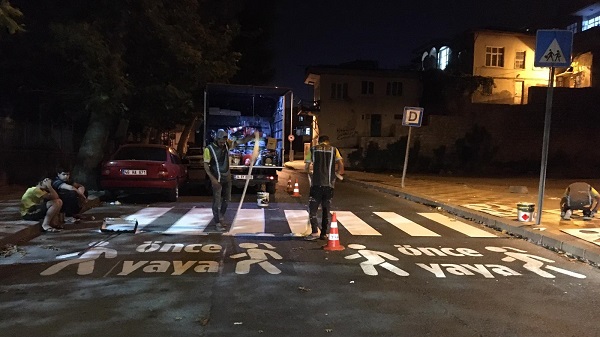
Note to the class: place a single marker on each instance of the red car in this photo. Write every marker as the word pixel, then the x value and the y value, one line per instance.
pixel 144 169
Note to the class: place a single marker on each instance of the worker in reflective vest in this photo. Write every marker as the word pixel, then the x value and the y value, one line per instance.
pixel 326 163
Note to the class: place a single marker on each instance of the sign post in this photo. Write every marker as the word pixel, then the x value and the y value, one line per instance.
pixel 552 49
pixel 411 117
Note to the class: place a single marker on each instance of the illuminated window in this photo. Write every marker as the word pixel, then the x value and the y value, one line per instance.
pixel 590 22
pixel 520 60
pixel 367 88
pixel 394 89
pixel 339 90
pixel 443 57
pixel 572 27
pixel 494 56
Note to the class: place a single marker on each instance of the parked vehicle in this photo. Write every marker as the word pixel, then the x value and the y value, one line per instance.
pixel 144 169
pixel 194 159
pixel 239 108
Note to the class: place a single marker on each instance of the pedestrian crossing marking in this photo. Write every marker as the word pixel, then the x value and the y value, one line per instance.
pixel 354 224
pixel 252 222
pixel 405 225
pixel 193 222
pixel 458 225
pixel 146 216
pixel 248 221
pixel 297 220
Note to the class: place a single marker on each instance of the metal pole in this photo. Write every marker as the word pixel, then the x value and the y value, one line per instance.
pixel 406 156
pixel 291 124
pixel 545 143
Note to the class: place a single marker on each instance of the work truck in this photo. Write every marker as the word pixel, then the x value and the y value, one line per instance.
pixel 240 110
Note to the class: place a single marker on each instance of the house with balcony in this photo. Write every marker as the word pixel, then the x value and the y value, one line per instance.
pixel 359 103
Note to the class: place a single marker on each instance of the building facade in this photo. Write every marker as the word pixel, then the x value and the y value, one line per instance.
pixel 505 57
pixel 361 105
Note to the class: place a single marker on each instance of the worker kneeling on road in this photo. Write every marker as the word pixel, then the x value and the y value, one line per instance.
pixel 579 196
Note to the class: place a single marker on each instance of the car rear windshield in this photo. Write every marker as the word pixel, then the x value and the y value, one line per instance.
pixel 141 153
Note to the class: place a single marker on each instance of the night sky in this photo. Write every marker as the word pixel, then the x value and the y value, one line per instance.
pixel 317 32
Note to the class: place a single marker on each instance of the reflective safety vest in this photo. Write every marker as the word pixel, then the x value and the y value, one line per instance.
pixel 219 160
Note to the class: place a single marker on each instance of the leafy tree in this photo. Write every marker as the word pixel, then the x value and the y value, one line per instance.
pixel 445 92
pixel 104 61
pixel 9 17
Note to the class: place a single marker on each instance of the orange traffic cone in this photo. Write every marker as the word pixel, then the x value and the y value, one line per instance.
pixel 289 188
pixel 333 242
pixel 296 193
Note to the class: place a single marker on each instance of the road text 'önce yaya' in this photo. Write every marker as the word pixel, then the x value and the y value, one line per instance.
pixel 257 258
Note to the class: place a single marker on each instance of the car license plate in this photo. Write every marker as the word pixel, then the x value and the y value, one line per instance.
pixel 134 172
pixel 242 176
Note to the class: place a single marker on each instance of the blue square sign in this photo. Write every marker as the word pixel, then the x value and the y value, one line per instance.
pixel 412 116
pixel 553 48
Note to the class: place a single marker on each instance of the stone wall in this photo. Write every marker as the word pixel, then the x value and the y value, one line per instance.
pixel 517 130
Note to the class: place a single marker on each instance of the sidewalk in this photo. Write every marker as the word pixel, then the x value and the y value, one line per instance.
pixel 13 229
pixel 493 202
pixel 489 201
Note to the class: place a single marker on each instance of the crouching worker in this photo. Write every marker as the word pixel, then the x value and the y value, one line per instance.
pixel 73 195
pixel 579 196
pixel 41 202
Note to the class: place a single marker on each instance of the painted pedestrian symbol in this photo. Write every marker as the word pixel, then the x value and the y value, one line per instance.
pixel 533 263
pixel 85 263
pixel 374 258
pixel 257 256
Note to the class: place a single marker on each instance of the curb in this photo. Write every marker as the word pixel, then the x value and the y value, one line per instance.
pixel 14 232
pixel 573 248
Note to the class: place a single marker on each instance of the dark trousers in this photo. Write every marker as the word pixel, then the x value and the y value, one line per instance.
pixel 319 196
pixel 71 202
pixel 221 197
pixel 567 203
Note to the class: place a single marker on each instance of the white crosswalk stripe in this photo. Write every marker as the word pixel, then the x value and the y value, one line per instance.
pixel 198 221
pixel 146 216
pixel 193 222
pixel 297 220
pixel 354 224
pixel 458 225
pixel 409 227
pixel 248 221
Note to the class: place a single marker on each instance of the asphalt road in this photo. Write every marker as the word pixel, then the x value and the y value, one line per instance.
pixel 407 270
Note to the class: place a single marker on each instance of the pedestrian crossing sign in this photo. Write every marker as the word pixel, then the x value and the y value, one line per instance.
pixel 553 48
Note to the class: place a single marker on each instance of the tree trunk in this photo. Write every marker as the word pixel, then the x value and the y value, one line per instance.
pixel 185 136
pixel 91 151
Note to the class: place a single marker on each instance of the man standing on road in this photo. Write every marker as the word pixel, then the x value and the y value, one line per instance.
pixel 579 196
pixel 216 164
pixel 326 164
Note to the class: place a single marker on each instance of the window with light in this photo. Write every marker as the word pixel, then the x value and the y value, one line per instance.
pixel 590 22
pixel 520 60
pixel 494 56
pixel 443 57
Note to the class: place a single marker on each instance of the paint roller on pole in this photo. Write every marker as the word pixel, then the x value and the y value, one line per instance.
pixel 252 161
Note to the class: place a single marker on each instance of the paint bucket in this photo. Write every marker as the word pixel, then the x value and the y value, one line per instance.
pixel 262 199
pixel 525 211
